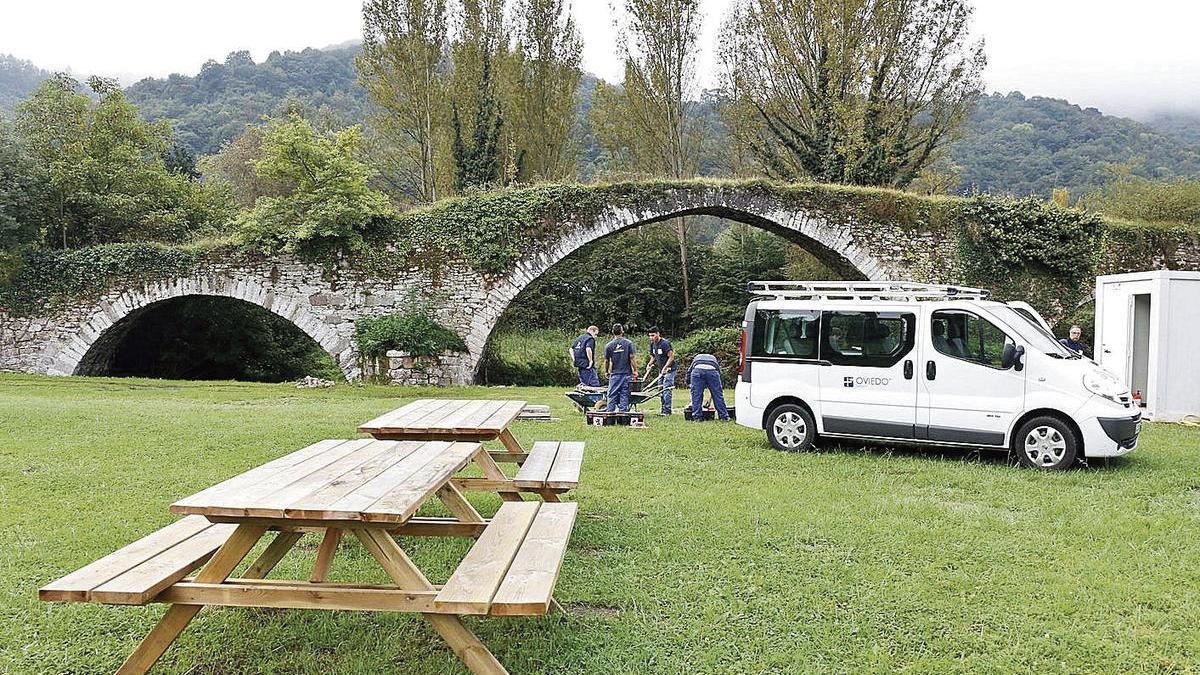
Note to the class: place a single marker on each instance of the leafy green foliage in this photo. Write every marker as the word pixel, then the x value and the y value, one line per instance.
pixel 535 358
pixel 723 343
pixel 1023 146
pixel 104 172
pixel 1028 249
pixel 48 277
pixel 331 205
pixel 415 331
pixel 477 159
pixel 1132 197
pixel 215 106
pixel 18 79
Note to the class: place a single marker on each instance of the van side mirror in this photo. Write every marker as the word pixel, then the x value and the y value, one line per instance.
pixel 1012 357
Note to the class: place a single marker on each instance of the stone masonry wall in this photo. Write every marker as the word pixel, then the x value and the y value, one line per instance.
pixel 402 368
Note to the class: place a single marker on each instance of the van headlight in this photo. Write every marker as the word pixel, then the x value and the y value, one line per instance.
pixel 1103 383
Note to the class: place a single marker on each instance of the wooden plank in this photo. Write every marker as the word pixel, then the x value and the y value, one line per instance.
pixel 275 504
pixel 320 501
pixel 431 419
pixel 529 583
pixel 438 527
pixel 279 547
pixel 534 471
pixel 511 443
pixel 259 474
pixel 458 505
pixel 473 422
pixel 507 456
pixel 178 616
pixel 352 505
pixel 234 496
pixel 474 583
pixel 328 548
pixel 504 416
pixel 397 413
pixel 139 585
pixel 458 419
pixel 567 465
pixel 313 596
pixel 404 499
pixel 75 586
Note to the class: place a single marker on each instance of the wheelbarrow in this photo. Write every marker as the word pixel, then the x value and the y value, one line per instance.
pixel 589 398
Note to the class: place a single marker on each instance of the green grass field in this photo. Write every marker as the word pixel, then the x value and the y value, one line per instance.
pixel 698 548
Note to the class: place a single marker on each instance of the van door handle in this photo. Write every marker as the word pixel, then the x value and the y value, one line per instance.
pixel 908 369
pixel 930 370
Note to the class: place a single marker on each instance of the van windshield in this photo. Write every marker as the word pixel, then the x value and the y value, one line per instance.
pixel 1039 338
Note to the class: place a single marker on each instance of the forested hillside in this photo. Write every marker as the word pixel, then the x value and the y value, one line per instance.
pixel 18 79
pixel 216 105
pixel 1021 146
pixel 1184 126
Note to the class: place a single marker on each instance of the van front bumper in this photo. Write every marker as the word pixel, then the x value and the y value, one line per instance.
pixel 1111 436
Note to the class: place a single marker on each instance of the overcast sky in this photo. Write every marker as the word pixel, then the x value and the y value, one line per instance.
pixel 1124 58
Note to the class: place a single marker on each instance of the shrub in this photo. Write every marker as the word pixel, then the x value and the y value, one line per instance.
pixel 530 359
pixel 416 332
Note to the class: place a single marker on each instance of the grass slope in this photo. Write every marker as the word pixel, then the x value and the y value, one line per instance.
pixel 698 549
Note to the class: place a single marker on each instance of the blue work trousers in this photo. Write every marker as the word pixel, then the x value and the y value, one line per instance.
pixel 668 384
pixel 618 392
pixel 710 379
pixel 589 377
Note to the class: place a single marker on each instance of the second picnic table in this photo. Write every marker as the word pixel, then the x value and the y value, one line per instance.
pixel 547 469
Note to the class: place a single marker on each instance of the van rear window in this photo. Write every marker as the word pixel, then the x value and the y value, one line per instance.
pixel 786 333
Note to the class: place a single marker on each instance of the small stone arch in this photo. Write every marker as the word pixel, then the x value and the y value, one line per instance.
pixel 834 243
pixel 85 346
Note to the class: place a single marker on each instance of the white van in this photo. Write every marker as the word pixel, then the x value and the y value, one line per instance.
pixel 923 364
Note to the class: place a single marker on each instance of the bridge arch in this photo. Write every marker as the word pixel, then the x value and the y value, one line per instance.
pixel 85 349
pixel 834 243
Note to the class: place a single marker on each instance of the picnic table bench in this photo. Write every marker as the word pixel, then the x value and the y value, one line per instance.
pixel 549 469
pixel 370 489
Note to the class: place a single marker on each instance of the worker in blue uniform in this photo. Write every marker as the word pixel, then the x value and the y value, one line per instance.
pixel 705 373
pixel 583 356
pixel 662 355
pixel 620 365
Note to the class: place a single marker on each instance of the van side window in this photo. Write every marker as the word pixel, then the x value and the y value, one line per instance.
pixel 785 333
pixel 965 336
pixel 873 339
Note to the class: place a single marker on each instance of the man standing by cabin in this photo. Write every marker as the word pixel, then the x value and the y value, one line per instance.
pixel 662 354
pixel 620 364
pixel 583 355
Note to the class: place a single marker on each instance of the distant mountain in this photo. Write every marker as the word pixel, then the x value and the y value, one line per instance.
pixel 1022 146
pixel 216 105
pixel 18 79
pixel 1182 125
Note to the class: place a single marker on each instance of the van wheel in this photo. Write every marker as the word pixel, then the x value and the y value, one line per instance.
pixel 791 428
pixel 1046 443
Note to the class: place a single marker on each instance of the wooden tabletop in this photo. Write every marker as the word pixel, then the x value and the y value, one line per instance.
pixel 362 480
pixel 446 416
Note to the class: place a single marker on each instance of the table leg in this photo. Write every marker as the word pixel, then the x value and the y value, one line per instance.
pixel 283 542
pixel 511 443
pixel 477 657
pixel 333 537
pixel 177 617
pixel 492 471
pixel 458 505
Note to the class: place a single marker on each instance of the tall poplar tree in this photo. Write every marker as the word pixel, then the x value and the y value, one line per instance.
pixel 403 68
pixel 850 91
pixel 659 42
pixel 549 48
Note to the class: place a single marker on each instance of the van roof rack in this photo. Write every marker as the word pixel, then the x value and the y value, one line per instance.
pixel 864 290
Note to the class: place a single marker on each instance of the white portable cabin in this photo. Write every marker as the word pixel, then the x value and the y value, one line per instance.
pixel 1148 334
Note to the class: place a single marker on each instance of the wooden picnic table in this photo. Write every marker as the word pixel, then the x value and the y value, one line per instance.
pixel 370 489
pixel 452 420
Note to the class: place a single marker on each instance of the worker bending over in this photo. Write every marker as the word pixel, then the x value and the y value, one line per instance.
pixel 583 355
pixel 620 363
pixel 705 373
pixel 662 354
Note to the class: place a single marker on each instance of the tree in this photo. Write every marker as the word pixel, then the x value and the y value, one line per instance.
pixel 403 68
pixel 331 205
pixel 550 48
pixel 234 166
pixel 104 172
pixel 861 91
pixel 477 164
pixel 659 44
pixel 481 59
pixel 21 198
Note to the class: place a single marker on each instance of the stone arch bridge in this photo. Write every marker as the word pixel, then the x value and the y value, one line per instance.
pixel 81 337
